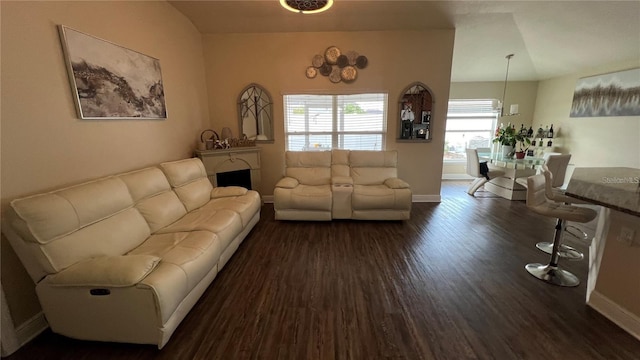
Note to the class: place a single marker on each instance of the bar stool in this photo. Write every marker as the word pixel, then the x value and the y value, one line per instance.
pixel 537 202
pixel 552 193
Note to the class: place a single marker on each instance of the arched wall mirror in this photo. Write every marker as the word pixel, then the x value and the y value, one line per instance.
pixel 415 110
pixel 255 111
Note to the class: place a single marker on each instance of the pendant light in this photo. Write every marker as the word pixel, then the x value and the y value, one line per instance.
pixel 513 109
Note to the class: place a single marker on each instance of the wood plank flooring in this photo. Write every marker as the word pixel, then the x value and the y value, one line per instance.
pixel 447 284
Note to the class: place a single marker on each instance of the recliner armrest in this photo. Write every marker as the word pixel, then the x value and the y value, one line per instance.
pixel 227 191
pixel 342 180
pixel 107 271
pixel 395 183
pixel 287 183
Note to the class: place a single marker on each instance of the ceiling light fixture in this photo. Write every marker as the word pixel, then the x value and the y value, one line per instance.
pixel 513 109
pixel 306 6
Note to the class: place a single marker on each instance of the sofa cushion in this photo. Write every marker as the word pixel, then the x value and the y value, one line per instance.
pixel 304 197
pixel 93 219
pixel 188 178
pixel 153 197
pixel 246 205
pixel 373 167
pixel 227 191
pixel 226 224
pixel 340 163
pixel 309 168
pixel 107 271
pixel 379 197
pixel 195 253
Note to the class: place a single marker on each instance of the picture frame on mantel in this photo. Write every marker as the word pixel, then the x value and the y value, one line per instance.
pixel 611 94
pixel 110 81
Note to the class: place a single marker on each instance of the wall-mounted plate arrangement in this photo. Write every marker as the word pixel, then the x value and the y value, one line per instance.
pixel 336 65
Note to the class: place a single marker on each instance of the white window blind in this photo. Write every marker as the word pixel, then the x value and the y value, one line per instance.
pixel 324 122
pixel 470 124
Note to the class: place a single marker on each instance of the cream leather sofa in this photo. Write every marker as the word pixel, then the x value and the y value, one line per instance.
pixel 341 184
pixel 124 258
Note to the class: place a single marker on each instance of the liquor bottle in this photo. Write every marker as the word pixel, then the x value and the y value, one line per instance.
pixel 540 132
pixel 546 131
pixel 550 134
pixel 533 143
pixel 523 131
pixel 549 143
pixel 530 132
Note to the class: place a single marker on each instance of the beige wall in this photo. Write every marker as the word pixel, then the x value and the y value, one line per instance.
pixel 593 141
pixel 522 93
pixel 45 145
pixel 278 63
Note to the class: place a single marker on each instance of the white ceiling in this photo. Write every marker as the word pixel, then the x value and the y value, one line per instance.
pixel 548 38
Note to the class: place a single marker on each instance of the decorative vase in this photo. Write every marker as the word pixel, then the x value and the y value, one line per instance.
pixel 520 154
pixel 507 150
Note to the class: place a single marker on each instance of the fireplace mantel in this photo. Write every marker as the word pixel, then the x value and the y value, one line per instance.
pixel 241 158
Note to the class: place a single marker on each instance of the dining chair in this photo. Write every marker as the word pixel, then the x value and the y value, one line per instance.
pixel 557 165
pixel 538 202
pixel 481 175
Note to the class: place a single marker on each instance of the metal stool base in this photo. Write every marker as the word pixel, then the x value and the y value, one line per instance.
pixel 565 251
pixel 552 275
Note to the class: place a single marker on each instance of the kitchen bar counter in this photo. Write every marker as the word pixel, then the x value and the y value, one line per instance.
pixel 613 284
pixel 617 188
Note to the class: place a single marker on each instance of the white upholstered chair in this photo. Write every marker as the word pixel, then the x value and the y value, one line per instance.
pixel 538 202
pixel 473 169
pixel 557 165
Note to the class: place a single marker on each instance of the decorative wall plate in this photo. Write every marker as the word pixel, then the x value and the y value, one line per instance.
pixel 348 73
pixel 352 56
pixel 342 61
pixel 331 54
pixel 325 69
pixel 361 62
pixel 335 75
pixel 317 61
pixel 312 72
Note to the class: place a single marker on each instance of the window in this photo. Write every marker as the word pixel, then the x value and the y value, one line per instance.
pixel 470 124
pixel 324 122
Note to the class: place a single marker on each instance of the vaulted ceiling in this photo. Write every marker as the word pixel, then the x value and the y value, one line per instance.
pixel 548 38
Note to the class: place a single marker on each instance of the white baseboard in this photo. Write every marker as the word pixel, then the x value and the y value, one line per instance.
pixel 614 312
pixel 31 328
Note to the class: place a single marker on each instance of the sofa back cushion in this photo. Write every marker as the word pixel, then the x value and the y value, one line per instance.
pixel 66 226
pixel 153 197
pixel 309 167
pixel 340 163
pixel 188 178
pixel 373 167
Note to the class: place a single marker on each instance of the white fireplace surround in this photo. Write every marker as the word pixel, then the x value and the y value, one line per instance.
pixel 241 158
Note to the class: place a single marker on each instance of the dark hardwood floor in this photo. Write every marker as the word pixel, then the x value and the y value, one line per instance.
pixel 447 284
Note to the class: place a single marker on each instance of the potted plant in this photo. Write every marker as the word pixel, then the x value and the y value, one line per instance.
pixel 508 137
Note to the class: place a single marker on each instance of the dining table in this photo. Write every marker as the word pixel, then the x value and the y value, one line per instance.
pixel 506 186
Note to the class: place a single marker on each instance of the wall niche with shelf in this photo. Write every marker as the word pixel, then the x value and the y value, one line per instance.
pixel 415 113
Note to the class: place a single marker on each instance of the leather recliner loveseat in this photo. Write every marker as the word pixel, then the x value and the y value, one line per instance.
pixel 342 184
pixel 124 258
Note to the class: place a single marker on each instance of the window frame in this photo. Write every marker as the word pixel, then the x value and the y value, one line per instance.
pixel 337 132
pixel 493 115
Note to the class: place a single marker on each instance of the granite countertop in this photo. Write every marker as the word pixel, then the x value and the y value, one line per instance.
pixel 617 188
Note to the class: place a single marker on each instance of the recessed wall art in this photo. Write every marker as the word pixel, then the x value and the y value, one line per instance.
pixel 337 66
pixel 110 81
pixel 612 94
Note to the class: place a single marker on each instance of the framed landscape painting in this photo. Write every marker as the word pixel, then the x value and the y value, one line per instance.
pixel 612 94
pixel 110 81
